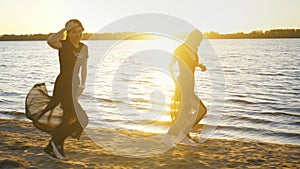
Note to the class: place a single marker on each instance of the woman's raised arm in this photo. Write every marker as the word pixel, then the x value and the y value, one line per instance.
pixel 54 40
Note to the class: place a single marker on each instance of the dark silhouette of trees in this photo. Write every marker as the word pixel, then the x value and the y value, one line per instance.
pixel 92 36
pixel 257 34
pixel 274 33
pixel 24 37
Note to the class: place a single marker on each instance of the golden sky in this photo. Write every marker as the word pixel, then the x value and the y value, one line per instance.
pixel 224 16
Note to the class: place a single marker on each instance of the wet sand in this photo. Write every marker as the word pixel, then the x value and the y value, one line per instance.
pixel 21 146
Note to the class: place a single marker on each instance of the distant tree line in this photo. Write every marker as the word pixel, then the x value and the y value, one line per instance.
pixel 274 33
pixel 86 36
pixel 24 37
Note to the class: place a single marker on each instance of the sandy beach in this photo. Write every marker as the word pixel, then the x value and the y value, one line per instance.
pixel 22 145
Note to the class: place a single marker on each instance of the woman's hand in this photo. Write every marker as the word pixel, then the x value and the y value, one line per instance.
pixel 54 40
pixel 202 67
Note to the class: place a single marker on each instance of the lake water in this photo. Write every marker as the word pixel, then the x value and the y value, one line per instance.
pixel 126 90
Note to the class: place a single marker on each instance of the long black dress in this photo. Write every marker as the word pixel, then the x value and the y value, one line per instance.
pixel 62 109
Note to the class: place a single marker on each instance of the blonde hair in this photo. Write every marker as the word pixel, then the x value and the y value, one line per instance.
pixel 194 39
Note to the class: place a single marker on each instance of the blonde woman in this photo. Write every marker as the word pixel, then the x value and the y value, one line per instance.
pixel 185 104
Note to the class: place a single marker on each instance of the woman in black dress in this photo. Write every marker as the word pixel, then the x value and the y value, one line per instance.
pixel 61 115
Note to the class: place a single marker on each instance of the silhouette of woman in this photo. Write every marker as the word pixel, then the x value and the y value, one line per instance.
pixel 59 115
pixel 185 104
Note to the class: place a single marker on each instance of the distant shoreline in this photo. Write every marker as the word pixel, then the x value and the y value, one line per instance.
pixel 15 40
pixel 258 34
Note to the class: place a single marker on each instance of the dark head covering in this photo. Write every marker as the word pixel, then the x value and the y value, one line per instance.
pixel 75 21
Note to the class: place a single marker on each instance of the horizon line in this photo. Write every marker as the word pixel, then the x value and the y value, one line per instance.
pixel 263 31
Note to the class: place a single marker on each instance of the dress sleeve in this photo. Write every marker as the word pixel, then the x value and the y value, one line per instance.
pixel 86 51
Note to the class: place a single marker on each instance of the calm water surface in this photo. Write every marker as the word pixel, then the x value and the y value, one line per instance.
pixel 262 79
